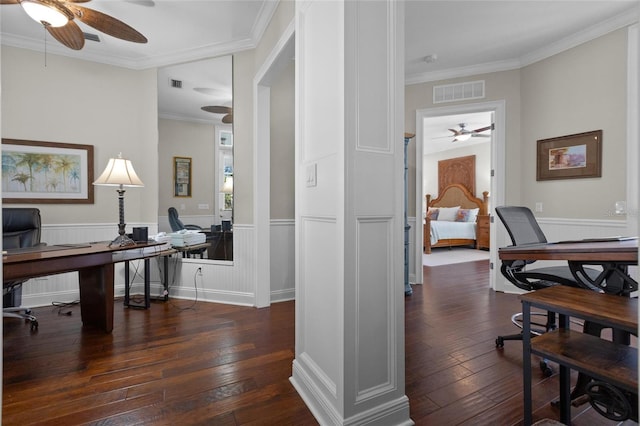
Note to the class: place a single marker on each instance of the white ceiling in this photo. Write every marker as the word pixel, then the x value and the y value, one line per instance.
pixel 468 37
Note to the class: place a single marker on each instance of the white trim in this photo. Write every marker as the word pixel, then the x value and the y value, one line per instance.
pixel 633 110
pixel 262 165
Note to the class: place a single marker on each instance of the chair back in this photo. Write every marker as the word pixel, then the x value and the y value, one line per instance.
pixel 21 227
pixel 175 223
pixel 521 225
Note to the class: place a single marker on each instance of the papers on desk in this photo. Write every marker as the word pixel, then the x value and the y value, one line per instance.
pixel 597 240
pixel 187 238
pixel 163 238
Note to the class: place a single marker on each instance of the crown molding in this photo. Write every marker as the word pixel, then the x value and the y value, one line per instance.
pixel 450 73
pixel 591 33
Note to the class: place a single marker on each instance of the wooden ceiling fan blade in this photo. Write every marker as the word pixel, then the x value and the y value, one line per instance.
pixel 227 119
pixel 70 35
pixel 9 2
pixel 107 24
pixel 483 129
pixel 217 109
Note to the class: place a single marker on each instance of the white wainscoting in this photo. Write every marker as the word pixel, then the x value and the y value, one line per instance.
pixel 283 285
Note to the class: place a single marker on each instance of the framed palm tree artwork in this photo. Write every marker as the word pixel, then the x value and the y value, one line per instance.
pixel 46 172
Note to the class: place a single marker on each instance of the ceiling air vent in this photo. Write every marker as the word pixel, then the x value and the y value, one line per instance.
pixel 91 37
pixel 175 83
pixel 458 91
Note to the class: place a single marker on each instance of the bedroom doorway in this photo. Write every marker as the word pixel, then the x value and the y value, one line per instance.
pixel 433 128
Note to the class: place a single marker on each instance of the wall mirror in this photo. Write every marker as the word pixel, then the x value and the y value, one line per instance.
pixel 195 121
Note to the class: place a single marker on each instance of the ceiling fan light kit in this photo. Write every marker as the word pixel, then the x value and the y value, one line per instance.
pixel 46 12
pixel 58 18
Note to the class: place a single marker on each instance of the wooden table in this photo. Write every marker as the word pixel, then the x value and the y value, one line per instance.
pixel 613 257
pixel 94 263
pixel 609 362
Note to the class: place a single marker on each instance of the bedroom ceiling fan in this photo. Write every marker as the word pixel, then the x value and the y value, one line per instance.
pixel 463 134
pixel 219 109
pixel 57 16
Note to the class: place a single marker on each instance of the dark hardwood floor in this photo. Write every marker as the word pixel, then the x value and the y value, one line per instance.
pixel 186 363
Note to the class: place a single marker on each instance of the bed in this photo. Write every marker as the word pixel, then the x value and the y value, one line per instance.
pixel 451 219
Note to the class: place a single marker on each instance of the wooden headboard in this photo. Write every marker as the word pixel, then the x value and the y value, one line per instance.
pixel 457 195
pixel 461 170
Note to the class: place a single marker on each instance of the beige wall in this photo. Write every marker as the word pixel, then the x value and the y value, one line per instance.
pixel 74 101
pixel 186 139
pixel 245 66
pixel 576 91
pixel 283 144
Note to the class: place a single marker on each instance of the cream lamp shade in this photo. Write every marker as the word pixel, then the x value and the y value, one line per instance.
pixel 45 12
pixel 119 171
pixel 227 187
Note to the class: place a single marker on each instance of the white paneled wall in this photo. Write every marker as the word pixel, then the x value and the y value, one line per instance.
pixel 283 286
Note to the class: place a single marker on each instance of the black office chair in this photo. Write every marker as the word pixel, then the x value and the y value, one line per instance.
pixel 523 229
pixel 21 228
pixel 176 225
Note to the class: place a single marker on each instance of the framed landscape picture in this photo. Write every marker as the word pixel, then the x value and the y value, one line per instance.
pixel 570 157
pixel 46 172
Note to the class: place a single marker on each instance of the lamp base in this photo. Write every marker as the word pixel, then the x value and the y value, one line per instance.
pixel 122 241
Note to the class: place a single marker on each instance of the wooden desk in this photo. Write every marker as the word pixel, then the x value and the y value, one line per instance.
pixel 612 256
pixel 94 263
pixel 611 362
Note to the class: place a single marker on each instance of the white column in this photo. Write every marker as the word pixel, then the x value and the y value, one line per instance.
pixel 349 361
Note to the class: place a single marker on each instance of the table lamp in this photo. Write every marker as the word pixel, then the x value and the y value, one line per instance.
pixel 119 172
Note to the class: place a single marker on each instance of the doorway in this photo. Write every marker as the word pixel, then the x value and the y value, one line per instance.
pixel 496 111
pixel 270 281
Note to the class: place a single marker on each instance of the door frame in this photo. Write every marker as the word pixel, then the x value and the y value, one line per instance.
pixel 497 187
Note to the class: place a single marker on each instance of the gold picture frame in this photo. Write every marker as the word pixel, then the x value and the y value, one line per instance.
pixel 182 176
pixel 570 157
pixel 46 172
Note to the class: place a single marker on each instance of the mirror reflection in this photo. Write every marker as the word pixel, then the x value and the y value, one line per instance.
pixel 195 131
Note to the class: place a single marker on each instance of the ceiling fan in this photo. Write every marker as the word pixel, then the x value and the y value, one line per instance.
pixel 219 109
pixel 463 134
pixel 58 16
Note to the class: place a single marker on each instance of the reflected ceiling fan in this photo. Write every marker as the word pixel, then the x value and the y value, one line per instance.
pixel 58 17
pixel 219 109
pixel 463 134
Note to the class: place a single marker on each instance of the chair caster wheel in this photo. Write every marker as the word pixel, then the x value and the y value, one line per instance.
pixel 34 325
pixel 499 342
pixel 546 370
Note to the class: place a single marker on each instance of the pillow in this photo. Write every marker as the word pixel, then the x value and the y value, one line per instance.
pixel 448 213
pixel 432 213
pixel 467 215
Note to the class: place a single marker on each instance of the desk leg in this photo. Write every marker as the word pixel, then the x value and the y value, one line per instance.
pixel 126 283
pixel 96 296
pixel 147 284
pixel 565 383
pixel 526 362
pixel 166 278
